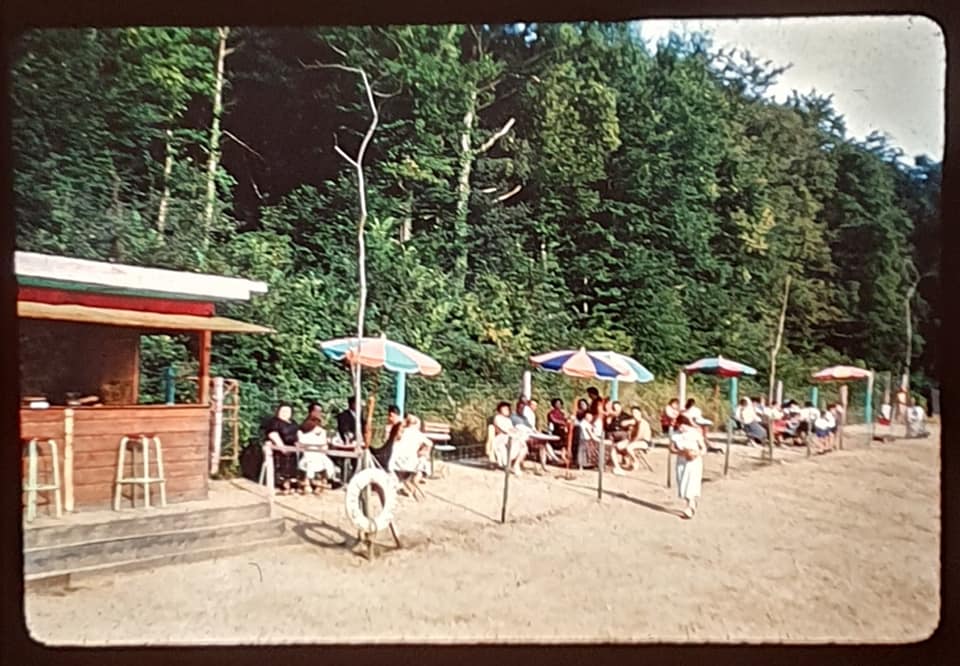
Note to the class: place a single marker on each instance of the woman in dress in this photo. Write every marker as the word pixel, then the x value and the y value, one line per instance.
pixel 282 436
pixel 314 461
pixel 689 447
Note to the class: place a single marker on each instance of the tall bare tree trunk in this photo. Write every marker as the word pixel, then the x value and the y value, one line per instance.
pixel 357 164
pixel 213 150
pixel 460 222
pixel 779 338
pixel 165 195
pixel 908 354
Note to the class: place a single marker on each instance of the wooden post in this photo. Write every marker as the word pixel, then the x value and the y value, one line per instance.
pixel 779 394
pixel 682 388
pixel 770 437
pixel 68 459
pixel 726 455
pixel 203 379
pixel 601 463
pixel 526 385
pixel 506 480
pixel 844 393
pixel 716 401
pixel 217 434
pixel 669 461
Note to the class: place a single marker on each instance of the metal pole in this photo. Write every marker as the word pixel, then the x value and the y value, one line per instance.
pixel 400 393
pixel 615 390
pixel 815 396
pixel 868 408
pixel 169 386
pixel 682 388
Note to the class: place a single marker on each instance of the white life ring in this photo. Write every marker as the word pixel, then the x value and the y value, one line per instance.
pixel 384 486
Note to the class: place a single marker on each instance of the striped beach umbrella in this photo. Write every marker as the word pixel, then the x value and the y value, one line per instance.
pixel 841 373
pixel 637 373
pixel 380 352
pixel 719 366
pixel 582 363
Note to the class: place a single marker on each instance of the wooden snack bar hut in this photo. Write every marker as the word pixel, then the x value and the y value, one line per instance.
pixel 80 324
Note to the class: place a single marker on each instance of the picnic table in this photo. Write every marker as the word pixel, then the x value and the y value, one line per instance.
pixel 538 441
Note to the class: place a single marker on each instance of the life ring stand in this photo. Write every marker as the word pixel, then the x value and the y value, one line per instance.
pixel 384 486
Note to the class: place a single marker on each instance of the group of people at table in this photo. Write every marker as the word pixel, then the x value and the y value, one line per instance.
pixel 303 454
pixel 514 432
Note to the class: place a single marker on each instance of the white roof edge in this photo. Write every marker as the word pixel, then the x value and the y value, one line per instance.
pixel 160 280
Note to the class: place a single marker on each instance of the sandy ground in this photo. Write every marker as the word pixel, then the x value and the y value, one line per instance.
pixel 836 548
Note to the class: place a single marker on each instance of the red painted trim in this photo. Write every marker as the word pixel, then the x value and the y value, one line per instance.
pixel 136 303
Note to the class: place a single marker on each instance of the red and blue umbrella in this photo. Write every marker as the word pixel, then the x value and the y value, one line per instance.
pixel 719 366
pixel 582 363
pixel 841 373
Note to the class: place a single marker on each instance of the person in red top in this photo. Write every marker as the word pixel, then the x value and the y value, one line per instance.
pixel 596 402
pixel 669 416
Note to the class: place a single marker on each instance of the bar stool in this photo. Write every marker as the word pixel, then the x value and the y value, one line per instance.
pixel 33 486
pixel 144 440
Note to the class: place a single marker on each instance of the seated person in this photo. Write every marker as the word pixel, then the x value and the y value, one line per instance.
pixel 530 413
pixel 315 462
pixel 557 420
pixel 750 423
pixel 391 435
pixel 510 440
pixel 618 434
pixel 281 435
pixel 669 416
pixel 641 438
pixel 411 452
pixel 886 414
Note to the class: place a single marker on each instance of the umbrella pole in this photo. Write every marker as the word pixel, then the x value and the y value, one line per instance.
pixel 844 392
pixel 868 409
pixel 506 480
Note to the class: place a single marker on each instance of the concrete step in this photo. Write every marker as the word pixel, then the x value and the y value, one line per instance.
pixel 64 578
pixel 63 535
pixel 111 550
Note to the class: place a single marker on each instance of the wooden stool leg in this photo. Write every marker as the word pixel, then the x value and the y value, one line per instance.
pixel 31 480
pixel 54 458
pixel 163 480
pixel 120 460
pixel 145 448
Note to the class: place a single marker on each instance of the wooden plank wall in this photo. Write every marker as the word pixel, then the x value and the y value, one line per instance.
pixel 184 432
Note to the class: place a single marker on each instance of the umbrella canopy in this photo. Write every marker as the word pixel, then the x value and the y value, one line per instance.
pixel 719 366
pixel 381 353
pixel 841 373
pixel 583 364
pixel 638 373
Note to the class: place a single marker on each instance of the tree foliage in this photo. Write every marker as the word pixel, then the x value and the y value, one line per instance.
pixel 648 201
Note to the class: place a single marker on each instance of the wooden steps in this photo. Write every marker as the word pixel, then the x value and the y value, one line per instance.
pixel 60 554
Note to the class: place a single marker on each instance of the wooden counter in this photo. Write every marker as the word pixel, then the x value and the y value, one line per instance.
pixel 184 432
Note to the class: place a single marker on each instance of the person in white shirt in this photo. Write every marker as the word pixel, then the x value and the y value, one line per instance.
pixel 916 420
pixel 411 452
pixel 689 447
pixel 530 413
pixel 509 437
pixel 750 422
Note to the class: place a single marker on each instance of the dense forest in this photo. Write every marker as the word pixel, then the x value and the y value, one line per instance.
pixel 530 187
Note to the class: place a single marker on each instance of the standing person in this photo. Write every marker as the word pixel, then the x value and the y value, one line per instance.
pixel 411 452
pixel 591 435
pixel 347 422
pixel 689 447
pixel 595 403
pixel 582 408
pixel 669 416
pixel 916 420
pixel 281 435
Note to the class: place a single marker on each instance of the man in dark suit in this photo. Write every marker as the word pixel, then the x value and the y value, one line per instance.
pixel 347 421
